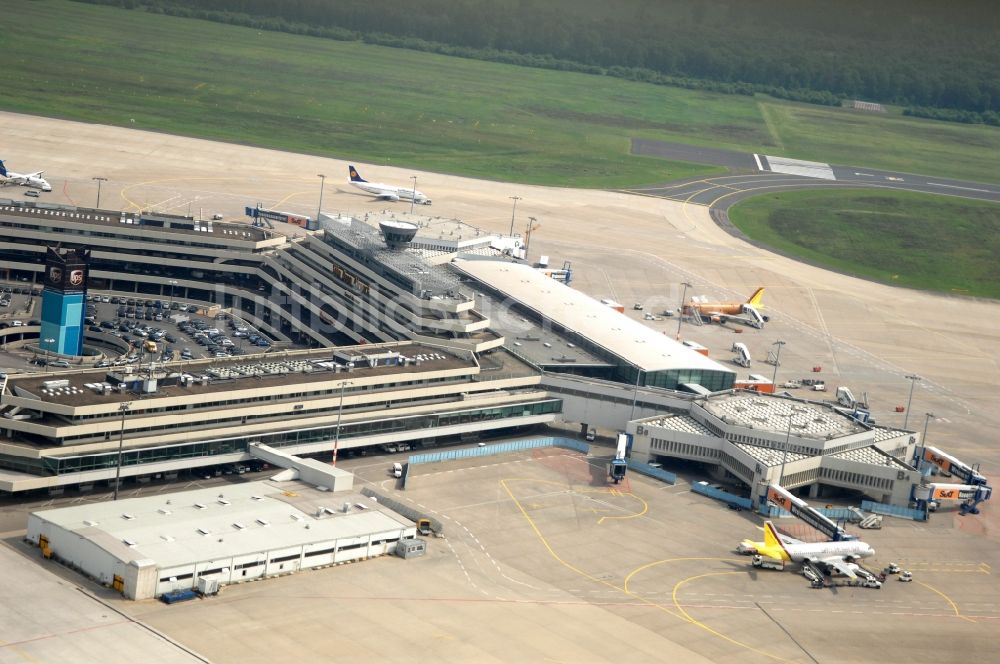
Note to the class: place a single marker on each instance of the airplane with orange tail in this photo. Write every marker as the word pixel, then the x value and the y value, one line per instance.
pixel 721 312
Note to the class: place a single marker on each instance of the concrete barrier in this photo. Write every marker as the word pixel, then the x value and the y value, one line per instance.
pixel 893 510
pixel 712 492
pixel 650 471
pixel 499 448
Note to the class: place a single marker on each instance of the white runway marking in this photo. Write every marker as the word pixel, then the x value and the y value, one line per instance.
pixel 809 169
pixel 756 157
pixel 955 186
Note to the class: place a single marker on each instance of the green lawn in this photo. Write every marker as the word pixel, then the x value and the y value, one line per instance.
pixel 426 111
pixel 907 239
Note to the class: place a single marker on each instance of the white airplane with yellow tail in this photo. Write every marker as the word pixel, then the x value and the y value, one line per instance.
pixel 838 556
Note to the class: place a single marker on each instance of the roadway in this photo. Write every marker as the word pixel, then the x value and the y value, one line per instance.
pixel 724 191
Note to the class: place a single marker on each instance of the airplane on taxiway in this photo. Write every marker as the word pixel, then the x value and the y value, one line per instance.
pixel 25 179
pixel 387 192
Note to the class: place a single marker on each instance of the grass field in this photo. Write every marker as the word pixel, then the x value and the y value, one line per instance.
pixel 906 239
pixel 421 110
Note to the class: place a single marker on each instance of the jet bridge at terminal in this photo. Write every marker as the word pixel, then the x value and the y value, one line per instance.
pixel 801 509
pixel 974 490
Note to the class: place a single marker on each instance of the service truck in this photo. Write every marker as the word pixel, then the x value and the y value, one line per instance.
pixel 766 562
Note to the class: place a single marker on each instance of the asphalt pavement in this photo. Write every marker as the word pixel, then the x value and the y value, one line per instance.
pixel 724 191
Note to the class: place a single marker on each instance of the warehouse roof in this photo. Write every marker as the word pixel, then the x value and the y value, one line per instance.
pixel 222 522
pixel 616 333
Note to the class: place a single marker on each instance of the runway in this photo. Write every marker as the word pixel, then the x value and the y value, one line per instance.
pixel 754 174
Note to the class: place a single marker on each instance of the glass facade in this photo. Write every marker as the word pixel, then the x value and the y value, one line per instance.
pixel 418 424
pixel 674 378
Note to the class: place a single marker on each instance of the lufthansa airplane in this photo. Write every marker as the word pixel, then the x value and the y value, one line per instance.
pixel 387 192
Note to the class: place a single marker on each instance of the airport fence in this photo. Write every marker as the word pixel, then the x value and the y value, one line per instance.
pixel 719 494
pixel 651 471
pixel 499 448
pixel 894 510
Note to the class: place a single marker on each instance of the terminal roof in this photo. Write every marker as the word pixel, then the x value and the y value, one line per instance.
pixel 604 327
pixel 312 367
pixel 138 222
pixel 771 413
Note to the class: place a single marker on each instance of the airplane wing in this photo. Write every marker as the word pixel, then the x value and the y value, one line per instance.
pixel 387 197
pixel 841 565
pixel 33 175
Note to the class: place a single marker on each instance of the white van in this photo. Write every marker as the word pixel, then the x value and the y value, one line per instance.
pixel 397 470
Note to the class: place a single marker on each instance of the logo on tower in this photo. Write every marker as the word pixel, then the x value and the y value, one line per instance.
pixel 66 271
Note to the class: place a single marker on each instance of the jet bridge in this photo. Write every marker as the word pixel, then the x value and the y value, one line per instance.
pixel 619 465
pixel 928 495
pixel 974 490
pixel 928 456
pixel 801 509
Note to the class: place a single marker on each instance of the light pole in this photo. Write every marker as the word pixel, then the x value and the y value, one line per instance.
pixel 47 342
pixel 635 392
pixel 173 285
pixel 99 181
pixel 913 378
pixel 680 313
pixel 527 234
pixel 777 357
pixel 927 420
pixel 413 195
pixel 122 408
pixel 340 413
pixel 322 182
pixel 513 212
pixel 784 454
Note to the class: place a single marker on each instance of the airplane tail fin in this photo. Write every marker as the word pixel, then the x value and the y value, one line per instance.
pixel 3 169
pixel 757 296
pixel 354 174
pixel 771 538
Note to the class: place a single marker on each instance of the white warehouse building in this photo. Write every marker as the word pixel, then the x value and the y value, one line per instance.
pixel 145 547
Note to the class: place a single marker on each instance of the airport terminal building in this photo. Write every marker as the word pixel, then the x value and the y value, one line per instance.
pixel 425 332
pixel 64 429
pixel 758 439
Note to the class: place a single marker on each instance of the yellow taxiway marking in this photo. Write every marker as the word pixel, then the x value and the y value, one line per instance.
pixel 610 491
pixel 682 616
pixel 958 614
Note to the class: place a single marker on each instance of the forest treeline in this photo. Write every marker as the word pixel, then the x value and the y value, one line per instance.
pixel 940 60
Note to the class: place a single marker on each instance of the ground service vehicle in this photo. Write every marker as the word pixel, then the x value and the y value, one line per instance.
pixel 763 562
